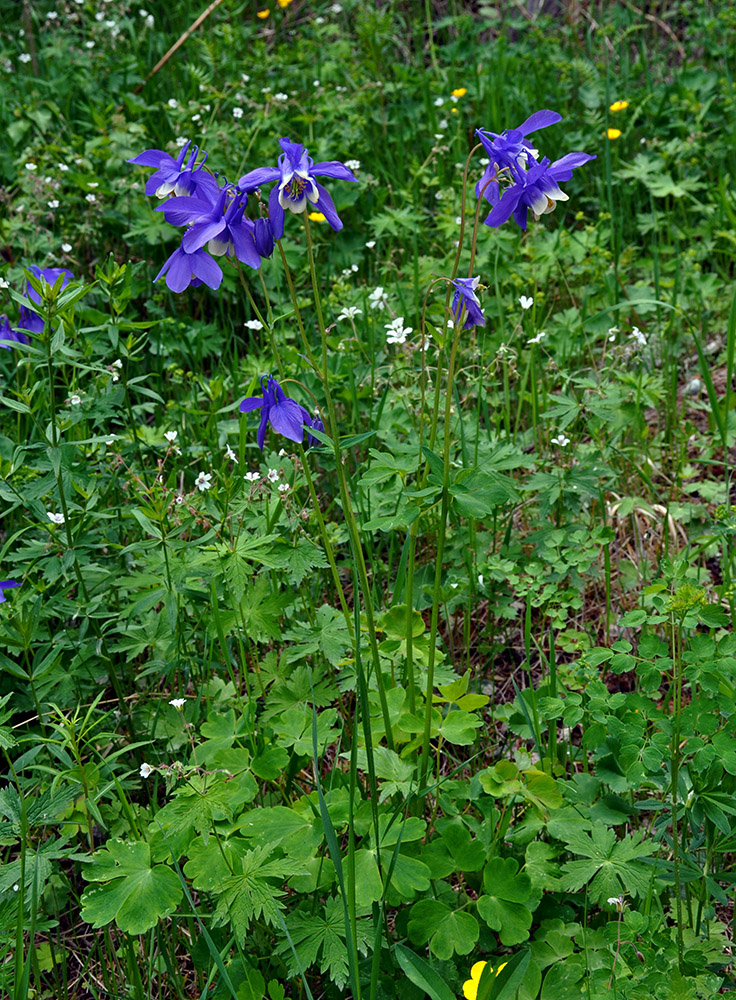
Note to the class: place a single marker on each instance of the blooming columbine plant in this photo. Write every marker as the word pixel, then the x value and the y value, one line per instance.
pixel 218 223
pixel 534 183
pixel 465 302
pixel 174 175
pixel 285 415
pixel 297 187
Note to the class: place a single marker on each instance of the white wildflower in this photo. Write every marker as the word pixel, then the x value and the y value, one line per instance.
pixel 25 57
pixel 252 477
pixel 283 487
pixel 66 247
pixel 253 324
pixel 526 302
pixel 561 440
pixel 370 244
pixel 538 339
pixel 352 164
pixel 145 770
pixel 75 400
pixel 273 475
pixel 203 481
pixel 229 453
pixel 349 312
pixel 378 298
pixel 238 112
pixel 178 703
pixel 91 198
pixel 55 518
pixel 31 167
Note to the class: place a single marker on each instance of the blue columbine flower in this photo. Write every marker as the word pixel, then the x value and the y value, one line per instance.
pixel 510 151
pixel 183 269
pixel 540 191
pixel 6 585
pixel 466 299
pixel 220 225
pixel 286 416
pixel 264 237
pixel 297 187
pixel 174 174
pixel 317 424
pixel 534 183
pixel 30 320
pixel 10 336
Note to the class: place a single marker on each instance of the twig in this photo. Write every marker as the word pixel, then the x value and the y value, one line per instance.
pixel 178 43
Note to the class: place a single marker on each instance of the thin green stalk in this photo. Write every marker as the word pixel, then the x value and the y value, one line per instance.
pixel 350 520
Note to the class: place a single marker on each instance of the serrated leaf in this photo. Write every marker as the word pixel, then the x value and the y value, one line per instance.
pixel 253 891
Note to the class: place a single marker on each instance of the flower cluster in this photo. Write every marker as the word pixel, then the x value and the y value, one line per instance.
pixel 530 183
pixel 216 216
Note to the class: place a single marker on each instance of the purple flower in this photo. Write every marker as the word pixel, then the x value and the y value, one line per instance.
pixel 30 320
pixel 10 336
pixel 466 299
pixel 286 416
pixel 297 187
pixel 6 585
pixel 540 191
pixel 510 151
pixel 317 424
pixel 264 237
pixel 183 269
pixel 220 225
pixel 534 183
pixel 174 174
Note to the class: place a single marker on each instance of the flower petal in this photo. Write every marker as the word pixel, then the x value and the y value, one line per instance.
pixel 255 178
pixel 334 169
pixel 505 207
pixel 200 233
pixel 153 158
pixel 206 269
pixel 276 214
pixel 287 418
pixel 251 403
pixel 540 119
pixel 326 206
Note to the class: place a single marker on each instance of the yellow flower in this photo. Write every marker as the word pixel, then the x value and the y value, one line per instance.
pixel 316 217
pixel 470 986
pixel 453 110
pixel 619 106
pixel 460 92
pixel 613 133
pixel 283 4
pixel 263 14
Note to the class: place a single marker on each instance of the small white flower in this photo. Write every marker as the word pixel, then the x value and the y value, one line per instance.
pixel 93 184
pixel 378 298
pixel 66 247
pixel 618 902
pixel 350 312
pixel 639 337
pixel 273 475
pixel 459 220
pixel 145 770
pixel 16 887
pixel 89 45
pixel 196 118
pixel 91 198
pixel 55 518
pixel 54 203
pixel 252 477
pixel 281 97
pixel 179 500
pixel 62 167
pixel 354 268
pixel 480 580
pixel 229 453
pixel 203 481
pixel 172 102
pixel 397 332
pixel 438 136
pixel 110 440
pixel 31 167
pixel 370 244
pixel 245 78
pixel 117 363
pixel 336 8
pixel 3 283
pixel 352 164
pixel 318 20
pixel 75 400
pixel 149 21
pixel 178 703
pixel 52 15
pixel 25 57
pixel 526 302
pixel 283 487
pixel 439 101
pixel 180 141
pixel 538 338
pixel 253 324
pixel 561 440
pixel 443 126
pixel 483 161
pixel 170 436
pixel 238 112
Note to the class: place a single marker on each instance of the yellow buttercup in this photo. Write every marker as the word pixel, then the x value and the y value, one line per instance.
pixel 470 986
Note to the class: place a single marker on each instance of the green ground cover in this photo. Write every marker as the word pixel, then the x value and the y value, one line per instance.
pixel 439 700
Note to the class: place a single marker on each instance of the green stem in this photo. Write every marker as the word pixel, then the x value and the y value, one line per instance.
pixel 350 520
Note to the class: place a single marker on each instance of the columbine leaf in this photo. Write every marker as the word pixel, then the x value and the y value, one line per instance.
pixel 134 894
pixel 447 931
